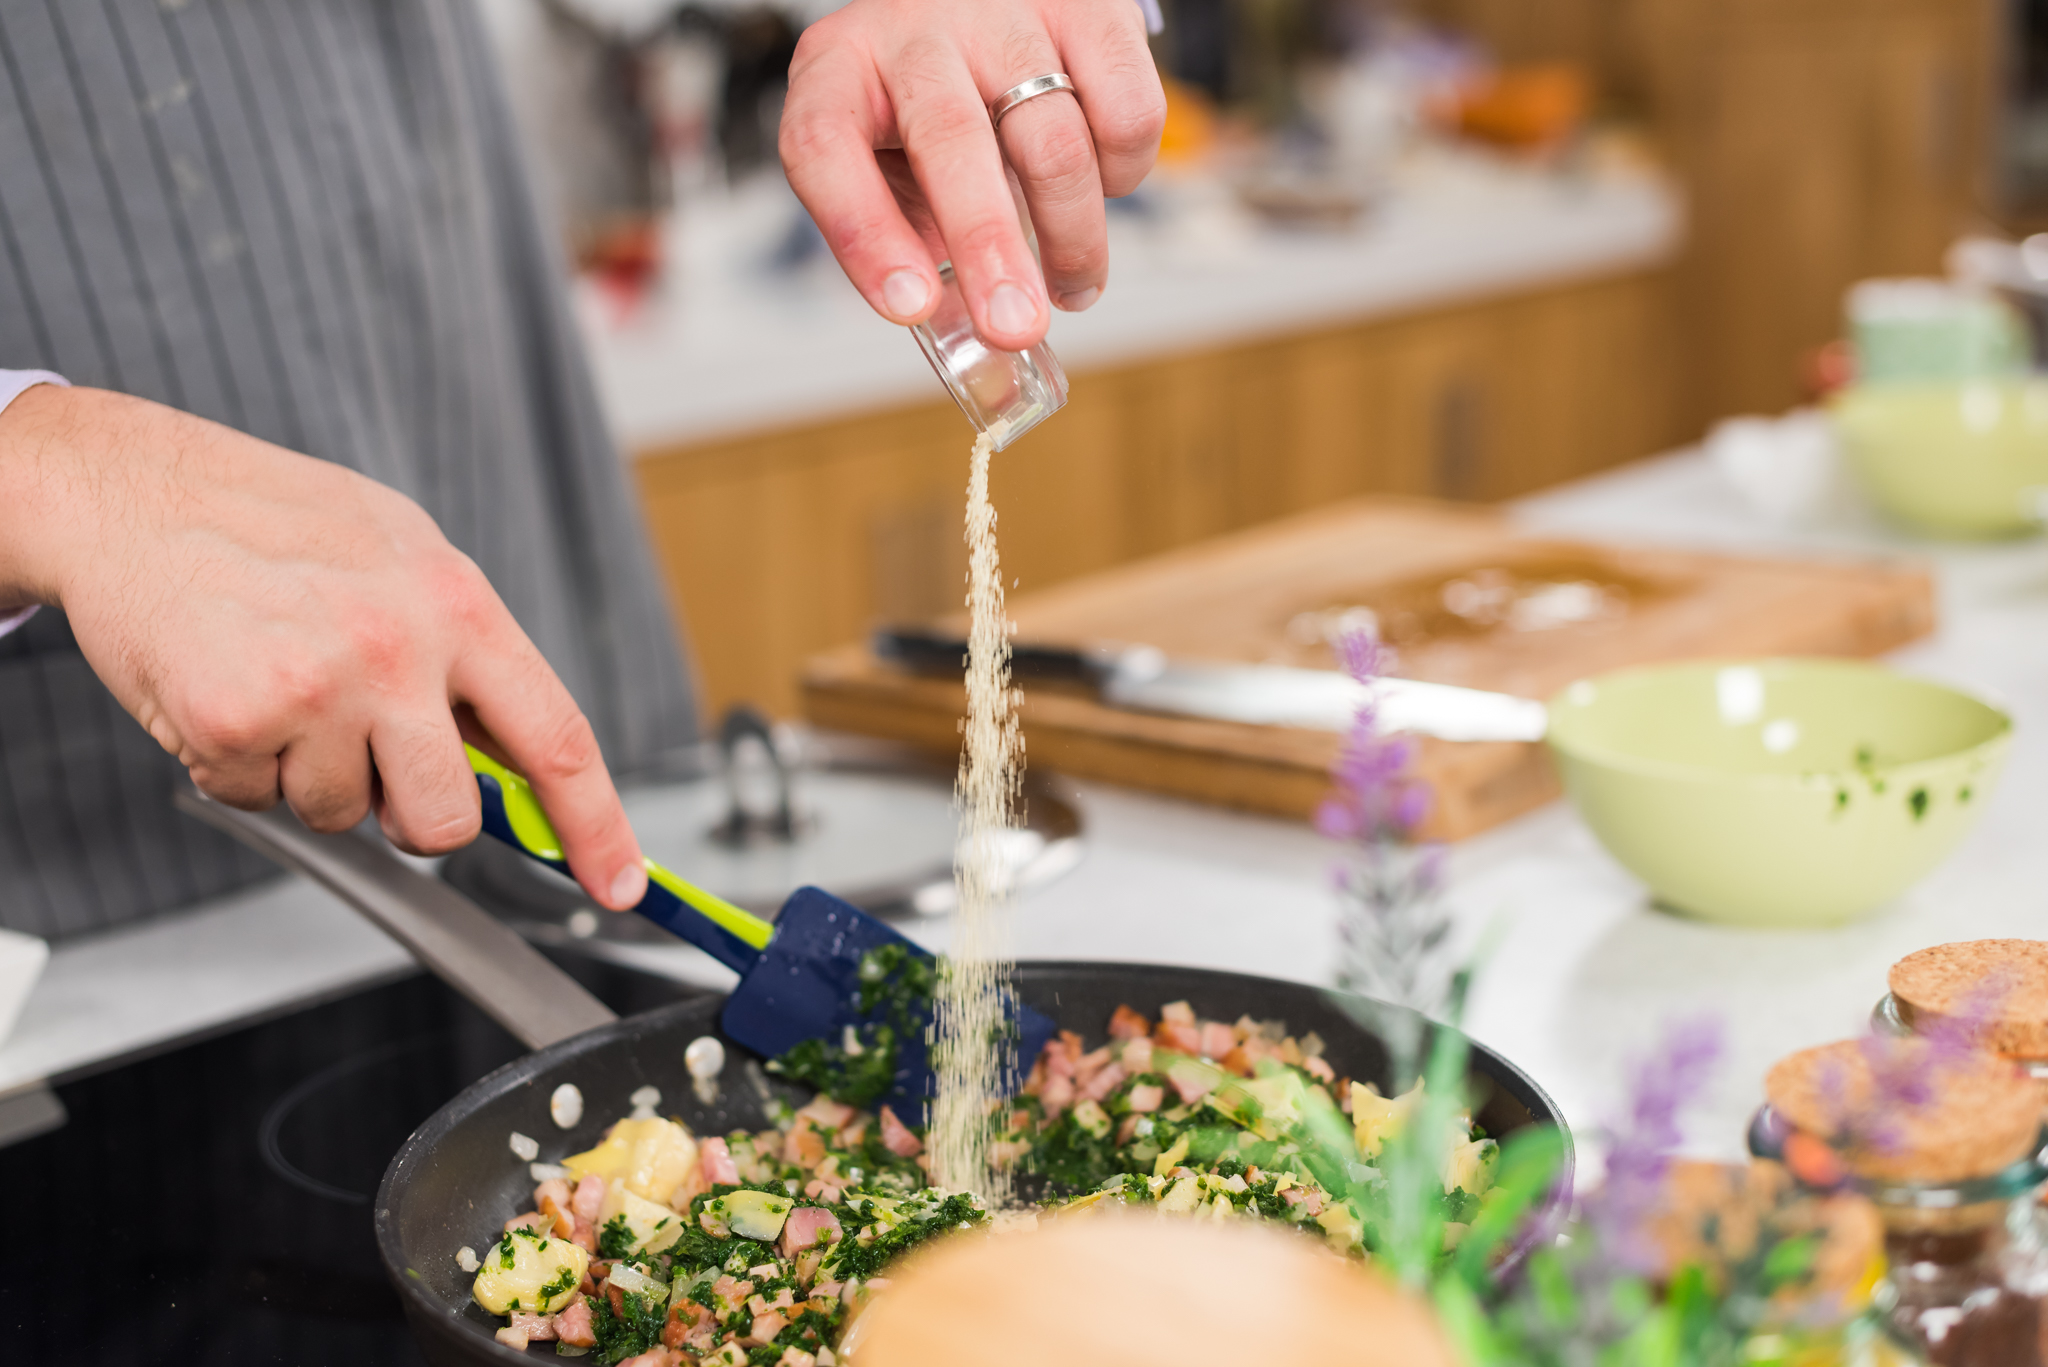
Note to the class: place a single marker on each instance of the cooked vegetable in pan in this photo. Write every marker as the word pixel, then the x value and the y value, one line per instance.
pixel 658 1248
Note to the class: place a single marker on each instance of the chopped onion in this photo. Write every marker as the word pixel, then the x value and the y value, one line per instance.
pixel 566 1106
pixel 465 1258
pixel 631 1279
pixel 646 1097
pixel 526 1149
pixel 705 1058
pixel 549 1172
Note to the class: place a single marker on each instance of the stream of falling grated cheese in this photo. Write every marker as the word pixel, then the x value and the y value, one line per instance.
pixel 974 1002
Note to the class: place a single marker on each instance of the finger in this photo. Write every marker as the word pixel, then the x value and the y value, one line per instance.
pixel 1118 86
pixel 1047 141
pixel 230 748
pixel 952 150
pixel 429 802
pixel 519 701
pixel 829 133
pixel 325 777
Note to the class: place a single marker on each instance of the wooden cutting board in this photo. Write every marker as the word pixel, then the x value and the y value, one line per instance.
pixel 1460 596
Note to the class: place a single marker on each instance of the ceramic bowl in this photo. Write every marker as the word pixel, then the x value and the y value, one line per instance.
pixel 1957 458
pixel 1776 792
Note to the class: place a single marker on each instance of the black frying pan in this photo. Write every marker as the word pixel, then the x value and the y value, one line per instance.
pixel 456 1181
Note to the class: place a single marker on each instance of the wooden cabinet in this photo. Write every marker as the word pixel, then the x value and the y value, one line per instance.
pixel 780 545
pixel 1819 142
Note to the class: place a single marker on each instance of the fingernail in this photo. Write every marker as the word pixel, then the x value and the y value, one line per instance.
pixel 1011 310
pixel 629 887
pixel 1080 299
pixel 905 292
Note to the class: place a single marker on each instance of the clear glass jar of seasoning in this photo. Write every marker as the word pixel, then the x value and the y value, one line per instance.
pixel 1003 393
pixel 1966 1279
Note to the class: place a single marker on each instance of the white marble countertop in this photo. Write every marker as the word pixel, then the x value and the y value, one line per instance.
pixel 1584 970
pixel 729 345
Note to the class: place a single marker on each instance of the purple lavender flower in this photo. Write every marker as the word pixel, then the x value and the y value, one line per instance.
pixel 1906 1078
pixel 1640 1146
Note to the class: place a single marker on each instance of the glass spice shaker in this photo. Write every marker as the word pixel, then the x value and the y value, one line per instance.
pixel 1954 1179
pixel 1003 393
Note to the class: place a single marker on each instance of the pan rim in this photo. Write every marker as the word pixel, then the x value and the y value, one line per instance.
pixel 421 1305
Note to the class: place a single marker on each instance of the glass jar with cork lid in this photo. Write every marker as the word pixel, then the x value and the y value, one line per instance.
pixel 1946 1140
pixel 1993 991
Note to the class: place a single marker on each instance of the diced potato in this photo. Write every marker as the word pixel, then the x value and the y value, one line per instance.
pixel 1091 1117
pixel 534 1275
pixel 1471 1165
pixel 652 1156
pixel 654 1226
pixel 1182 1196
pixel 1268 1106
pixel 1375 1119
pixel 750 1214
pixel 1168 1161
pixel 1341 1226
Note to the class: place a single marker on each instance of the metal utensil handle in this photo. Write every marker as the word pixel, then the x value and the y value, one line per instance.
pixel 458 941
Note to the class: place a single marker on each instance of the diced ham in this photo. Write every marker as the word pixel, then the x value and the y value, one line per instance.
pixel 588 1199
pixel 513 1338
pixel 730 1294
pixel 803 1146
pixel 1088 1065
pixel 796 1357
pixel 1104 1082
pixel 1006 1153
pixel 1218 1039
pixel 584 1236
pixel 897 1138
pixel 716 1160
pixel 537 1328
pixel 1058 1094
pixel 1125 1023
pixel 1146 1096
pixel 1191 1089
pixel 766 1327
pixel 1239 1061
pixel 572 1326
pixel 554 1188
pixel 1178 1036
pixel 818 1189
pixel 655 1357
pixel 1317 1068
pixel 1177 1013
pixel 1308 1198
pixel 1137 1055
pixel 1128 1131
pixel 827 1113
pixel 1062 1053
pixel 851 1136
pixel 808 1225
pixel 686 1320
pixel 533 1220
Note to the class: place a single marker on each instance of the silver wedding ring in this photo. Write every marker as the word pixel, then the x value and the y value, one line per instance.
pixel 1029 90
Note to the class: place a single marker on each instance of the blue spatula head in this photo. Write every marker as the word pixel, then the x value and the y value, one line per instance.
pixel 807 985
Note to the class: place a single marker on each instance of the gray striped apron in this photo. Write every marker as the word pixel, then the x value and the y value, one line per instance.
pixel 305 219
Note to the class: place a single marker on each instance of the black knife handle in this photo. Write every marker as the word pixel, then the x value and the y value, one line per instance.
pixel 922 651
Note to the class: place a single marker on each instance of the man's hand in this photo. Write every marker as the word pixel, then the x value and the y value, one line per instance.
pixel 886 138
pixel 288 628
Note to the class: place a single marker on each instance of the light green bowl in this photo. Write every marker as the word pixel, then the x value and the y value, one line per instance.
pixel 1964 458
pixel 1776 792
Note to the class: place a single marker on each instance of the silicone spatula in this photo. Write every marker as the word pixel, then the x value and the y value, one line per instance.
pixel 799 974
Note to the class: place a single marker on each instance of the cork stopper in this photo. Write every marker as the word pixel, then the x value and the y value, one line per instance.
pixel 1980 1112
pixel 2001 986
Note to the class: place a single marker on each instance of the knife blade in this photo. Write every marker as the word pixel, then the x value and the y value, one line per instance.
pixel 1145 679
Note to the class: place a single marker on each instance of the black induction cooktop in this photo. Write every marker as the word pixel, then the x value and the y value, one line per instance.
pixel 211 1205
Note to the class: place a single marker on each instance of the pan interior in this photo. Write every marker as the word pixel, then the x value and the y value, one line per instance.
pixel 456 1181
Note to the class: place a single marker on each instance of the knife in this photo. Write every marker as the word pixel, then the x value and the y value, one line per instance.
pixel 1143 678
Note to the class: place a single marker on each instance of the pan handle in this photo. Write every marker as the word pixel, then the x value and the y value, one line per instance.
pixel 458 941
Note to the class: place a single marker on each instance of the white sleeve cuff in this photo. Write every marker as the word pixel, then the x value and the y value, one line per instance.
pixel 1154 20
pixel 13 383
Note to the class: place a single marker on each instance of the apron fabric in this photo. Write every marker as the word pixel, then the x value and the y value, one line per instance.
pixel 306 219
